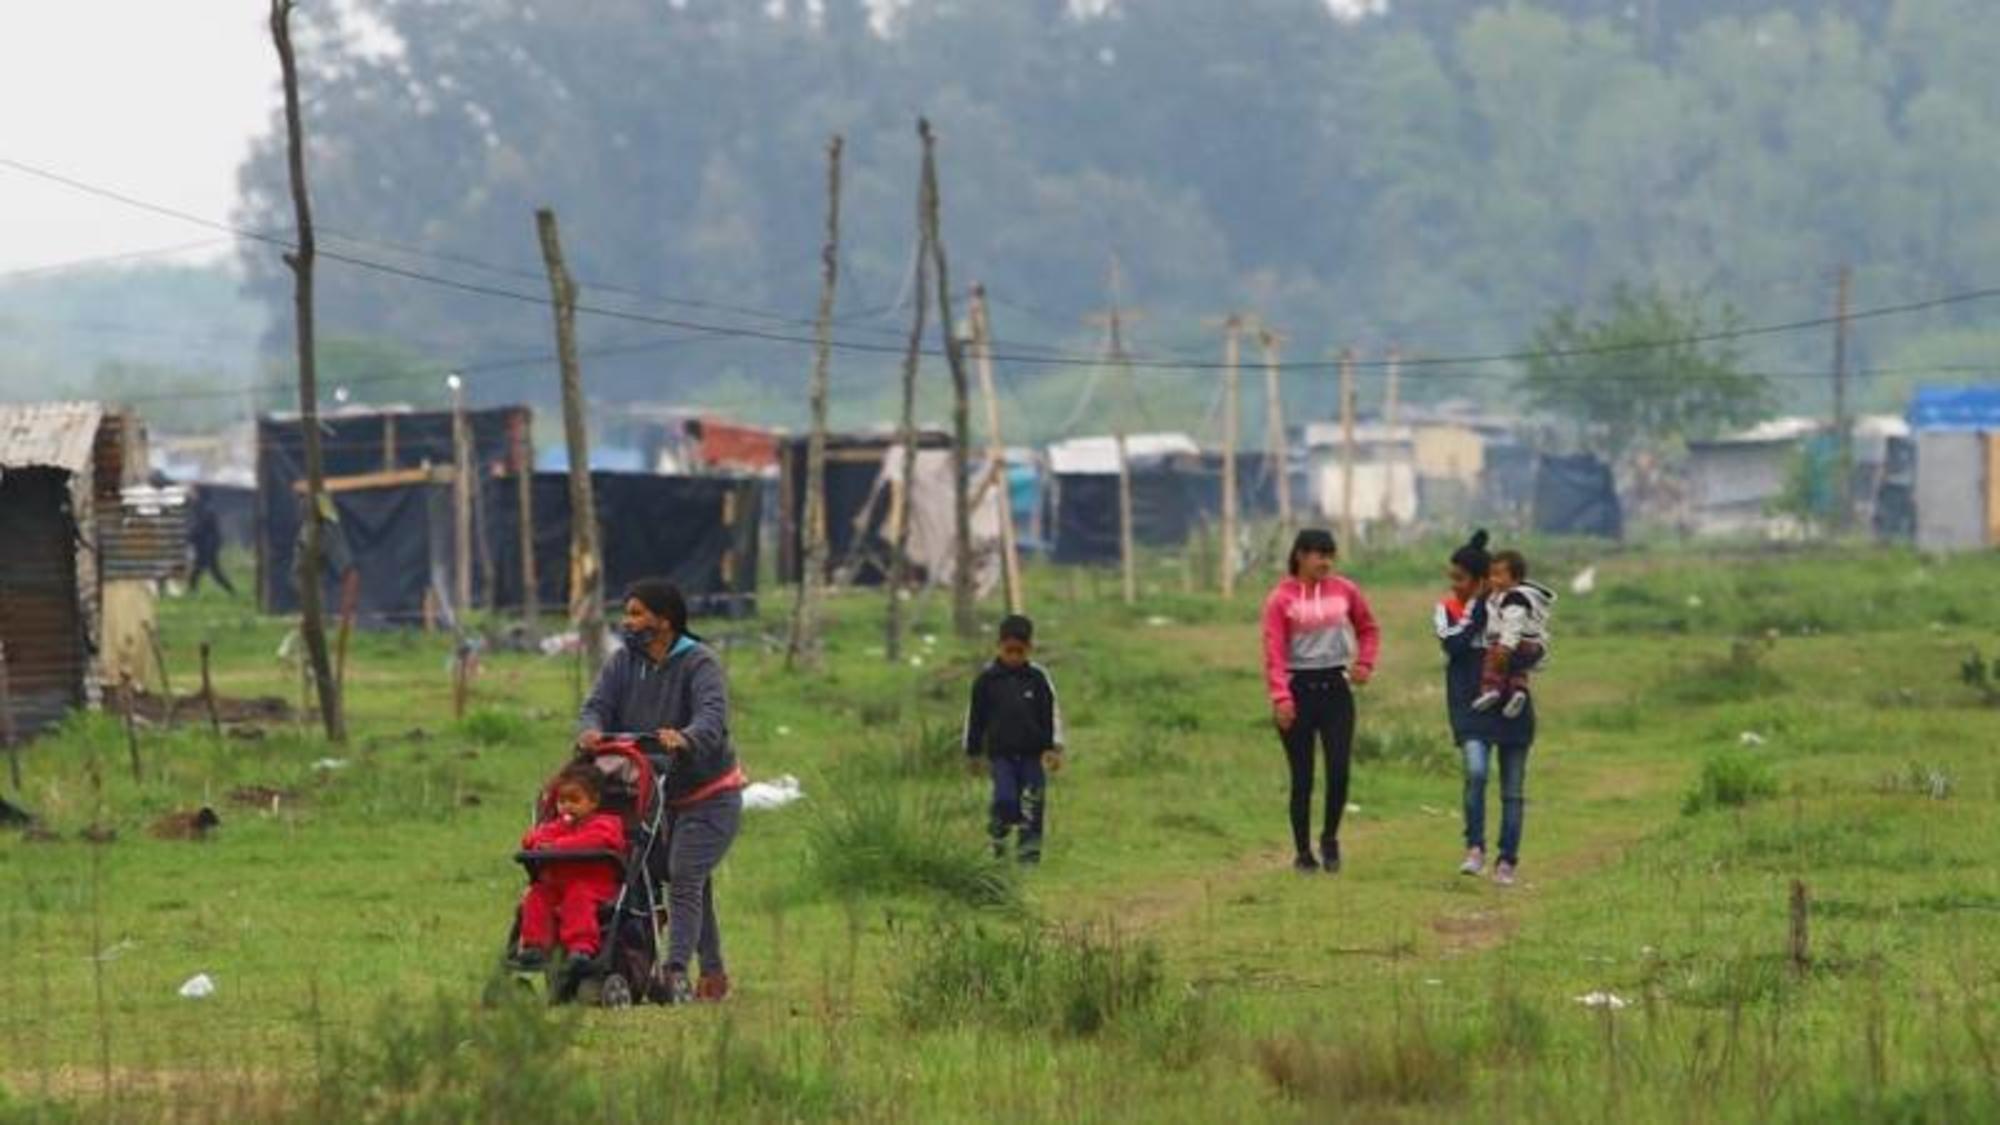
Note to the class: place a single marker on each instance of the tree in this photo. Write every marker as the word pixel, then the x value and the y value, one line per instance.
pixel 1643 377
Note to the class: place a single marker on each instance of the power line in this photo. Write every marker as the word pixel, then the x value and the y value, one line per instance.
pixel 112 258
pixel 1035 357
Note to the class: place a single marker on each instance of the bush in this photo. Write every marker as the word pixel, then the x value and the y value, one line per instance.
pixel 1730 778
pixel 874 840
pixel 1031 977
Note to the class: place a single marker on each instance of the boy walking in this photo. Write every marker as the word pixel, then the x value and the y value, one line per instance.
pixel 1015 725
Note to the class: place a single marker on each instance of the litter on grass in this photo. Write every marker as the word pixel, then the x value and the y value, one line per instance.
pixel 773 794
pixel 1750 738
pixel 1585 581
pixel 1603 1000
pixel 328 765
pixel 200 986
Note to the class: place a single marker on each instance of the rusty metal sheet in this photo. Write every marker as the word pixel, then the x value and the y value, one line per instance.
pixel 41 618
pixel 144 535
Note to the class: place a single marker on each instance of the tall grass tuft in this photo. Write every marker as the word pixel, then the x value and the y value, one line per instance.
pixel 1730 779
pixel 490 726
pixel 1739 677
pixel 1405 1065
pixel 881 840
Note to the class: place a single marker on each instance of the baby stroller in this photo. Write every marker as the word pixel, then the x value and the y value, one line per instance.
pixel 627 963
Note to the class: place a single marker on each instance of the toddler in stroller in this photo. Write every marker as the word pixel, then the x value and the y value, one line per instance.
pixel 589 858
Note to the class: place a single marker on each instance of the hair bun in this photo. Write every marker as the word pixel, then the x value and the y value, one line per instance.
pixel 1478 540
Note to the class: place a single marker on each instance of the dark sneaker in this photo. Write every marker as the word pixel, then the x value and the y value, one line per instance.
pixel 675 989
pixel 1305 864
pixel 578 967
pixel 1486 701
pixel 1329 856
pixel 528 960
pixel 713 989
pixel 1516 704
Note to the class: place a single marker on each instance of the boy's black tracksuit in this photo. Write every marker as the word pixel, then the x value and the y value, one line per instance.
pixel 1013 718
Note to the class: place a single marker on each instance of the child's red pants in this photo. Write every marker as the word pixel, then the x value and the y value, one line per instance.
pixel 562 906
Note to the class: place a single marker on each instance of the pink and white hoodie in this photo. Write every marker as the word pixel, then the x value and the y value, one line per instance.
pixel 1311 628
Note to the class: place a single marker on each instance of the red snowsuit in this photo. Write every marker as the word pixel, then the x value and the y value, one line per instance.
pixel 569 893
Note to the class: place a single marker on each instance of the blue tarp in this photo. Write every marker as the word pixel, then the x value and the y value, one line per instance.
pixel 603 459
pixel 1936 409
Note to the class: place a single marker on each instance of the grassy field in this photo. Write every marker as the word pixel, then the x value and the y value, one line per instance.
pixel 1714 729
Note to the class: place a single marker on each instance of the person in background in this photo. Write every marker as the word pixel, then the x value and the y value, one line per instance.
pixel 205 540
pixel 1481 735
pixel 1320 639
pixel 1013 732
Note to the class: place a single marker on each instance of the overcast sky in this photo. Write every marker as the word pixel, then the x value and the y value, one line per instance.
pixel 155 98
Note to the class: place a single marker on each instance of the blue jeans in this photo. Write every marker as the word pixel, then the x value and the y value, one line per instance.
pixel 1513 779
pixel 1020 797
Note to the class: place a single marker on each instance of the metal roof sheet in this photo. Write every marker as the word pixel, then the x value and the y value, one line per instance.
pixel 57 435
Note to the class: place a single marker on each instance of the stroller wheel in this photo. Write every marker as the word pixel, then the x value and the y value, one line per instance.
pixel 614 991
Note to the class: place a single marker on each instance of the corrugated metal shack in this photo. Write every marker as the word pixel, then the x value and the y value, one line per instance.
pixel 61 466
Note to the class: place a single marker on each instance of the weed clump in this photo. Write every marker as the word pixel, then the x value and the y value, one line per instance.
pixel 1739 677
pixel 488 726
pixel 1031 977
pixel 1407 1066
pixel 1730 779
pixel 878 841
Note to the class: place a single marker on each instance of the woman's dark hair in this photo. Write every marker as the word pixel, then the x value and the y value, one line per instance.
pixel 1311 539
pixel 1472 558
pixel 663 599
pixel 583 775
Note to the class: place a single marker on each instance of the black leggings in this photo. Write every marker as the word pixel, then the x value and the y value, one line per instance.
pixel 1325 706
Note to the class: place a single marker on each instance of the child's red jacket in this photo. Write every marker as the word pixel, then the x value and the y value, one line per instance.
pixel 600 831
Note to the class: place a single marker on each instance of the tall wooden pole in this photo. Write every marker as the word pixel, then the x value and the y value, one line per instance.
pixel 1128 554
pixel 523 451
pixel 906 434
pixel 1275 444
pixel 312 610
pixel 1843 429
pixel 586 598
pixel 1232 378
pixel 804 646
pixel 1347 449
pixel 461 502
pixel 1392 400
pixel 962 587
pixel 996 453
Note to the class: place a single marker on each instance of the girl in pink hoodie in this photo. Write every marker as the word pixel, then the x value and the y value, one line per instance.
pixel 1319 637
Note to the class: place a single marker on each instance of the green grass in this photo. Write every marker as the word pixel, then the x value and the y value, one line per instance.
pixel 1162 964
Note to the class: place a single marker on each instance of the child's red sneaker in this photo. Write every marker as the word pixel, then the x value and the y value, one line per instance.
pixel 713 988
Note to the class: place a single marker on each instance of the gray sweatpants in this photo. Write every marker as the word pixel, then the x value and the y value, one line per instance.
pixel 697 839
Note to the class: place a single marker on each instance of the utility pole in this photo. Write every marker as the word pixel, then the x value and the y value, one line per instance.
pixel 996 453
pixel 586 599
pixel 1392 400
pixel 522 448
pixel 1843 429
pixel 906 430
pixel 1114 325
pixel 312 613
pixel 461 501
pixel 1232 353
pixel 962 588
pixel 1276 447
pixel 1347 449
pixel 812 578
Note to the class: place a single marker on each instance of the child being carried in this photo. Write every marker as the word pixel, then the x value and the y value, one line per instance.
pixel 1517 634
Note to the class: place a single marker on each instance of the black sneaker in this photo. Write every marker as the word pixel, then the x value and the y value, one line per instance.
pixel 675 989
pixel 1330 856
pixel 1305 864
pixel 528 961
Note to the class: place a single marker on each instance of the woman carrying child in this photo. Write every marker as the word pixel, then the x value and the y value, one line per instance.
pixel 1319 638
pixel 1482 734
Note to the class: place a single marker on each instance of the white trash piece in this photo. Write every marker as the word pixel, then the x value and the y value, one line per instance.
pixel 1609 1000
pixel 772 794
pixel 1751 738
pixel 328 765
pixel 200 986
pixel 1584 582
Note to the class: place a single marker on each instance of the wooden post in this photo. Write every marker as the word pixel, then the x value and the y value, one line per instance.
pixel 1392 400
pixel 1276 447
pixel 523 447
pixel 7 732
pixel 1843 428
pixel 208 695
pixel 461 503
pixel 1232 345
pixel 166 684
pixel 1128 564
pixel 1801 951
pixel 125 702
pixel 585 597
pixel 1347 449
pixel 962 586
pixel 996 452
pixel 312 618
pixel 804 646
pixel 906 430
pixel 461 678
